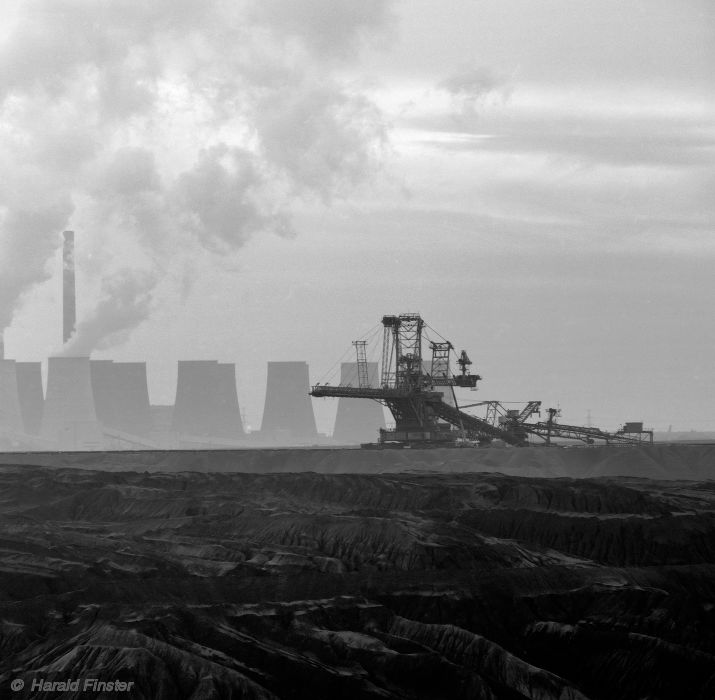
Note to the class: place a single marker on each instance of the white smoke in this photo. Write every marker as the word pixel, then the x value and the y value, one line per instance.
pixel 224 199
pixel 124 302
pixel 28 238
pixel 171 122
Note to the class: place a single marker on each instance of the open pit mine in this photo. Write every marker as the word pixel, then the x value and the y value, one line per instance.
pixel 418 584
pixel 163 552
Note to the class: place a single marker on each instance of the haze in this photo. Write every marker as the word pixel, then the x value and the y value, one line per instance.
pixel 263 181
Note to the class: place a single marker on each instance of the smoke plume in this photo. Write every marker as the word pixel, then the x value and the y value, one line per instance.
pixel 124 302
pixel 156 129
pixel 28 238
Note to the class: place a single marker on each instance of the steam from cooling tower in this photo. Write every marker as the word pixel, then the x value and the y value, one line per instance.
pixel 108 120
pixel 124 302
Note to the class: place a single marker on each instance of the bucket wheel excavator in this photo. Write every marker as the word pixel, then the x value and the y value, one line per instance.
pixel 420 395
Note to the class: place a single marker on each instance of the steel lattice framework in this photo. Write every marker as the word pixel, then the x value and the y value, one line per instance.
pixel 416 397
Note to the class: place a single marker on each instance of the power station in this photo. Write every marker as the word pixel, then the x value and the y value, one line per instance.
pixel 104 405
pixel 94 404
pixel 421 396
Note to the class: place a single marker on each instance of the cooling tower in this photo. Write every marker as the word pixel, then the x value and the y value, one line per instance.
pixel 68 287
pixel 133 413
pixel 358 420
pixel 228 415
pixel 206 400
pixel 121 396
pixel 288 412
pixel 161 432
pixel 10 413
pixel 32 400
pixel 69 420
pixel 104 388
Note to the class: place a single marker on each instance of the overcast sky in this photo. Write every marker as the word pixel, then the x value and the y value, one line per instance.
pixel 255 181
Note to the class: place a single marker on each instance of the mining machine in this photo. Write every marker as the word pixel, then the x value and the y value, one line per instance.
pixel 421 398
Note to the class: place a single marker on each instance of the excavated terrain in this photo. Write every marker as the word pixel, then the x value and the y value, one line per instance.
pixel 420 584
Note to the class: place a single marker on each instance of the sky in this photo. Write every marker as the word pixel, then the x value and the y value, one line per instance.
pixel 260 181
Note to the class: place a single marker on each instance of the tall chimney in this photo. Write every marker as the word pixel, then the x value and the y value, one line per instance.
pixel 69 314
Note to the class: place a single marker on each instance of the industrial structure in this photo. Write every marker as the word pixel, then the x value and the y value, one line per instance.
pixel 424 403
pixel 206 406
pixel 69 420
pixel 101 404
pixel 10 413
pixel 30 395
pixel 288 417
pixel 357 421
pixel 92 404
pixel 121 399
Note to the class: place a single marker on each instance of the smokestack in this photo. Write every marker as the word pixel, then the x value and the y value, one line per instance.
pixel 69 311
pixel 288 417
pixel 358 420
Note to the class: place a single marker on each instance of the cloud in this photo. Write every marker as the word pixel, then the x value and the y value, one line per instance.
pixel 474 89
pixel 225 199
pixel 329 29
pixel 324 139
pixel 473 83
pixel 28 238
pixel 171 121
pixel 58 45
pixel 125 301
pixel 131 171
pixel 625 141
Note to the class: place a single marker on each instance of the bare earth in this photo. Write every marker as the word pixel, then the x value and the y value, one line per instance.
pixel 665 461
pixel 430 583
